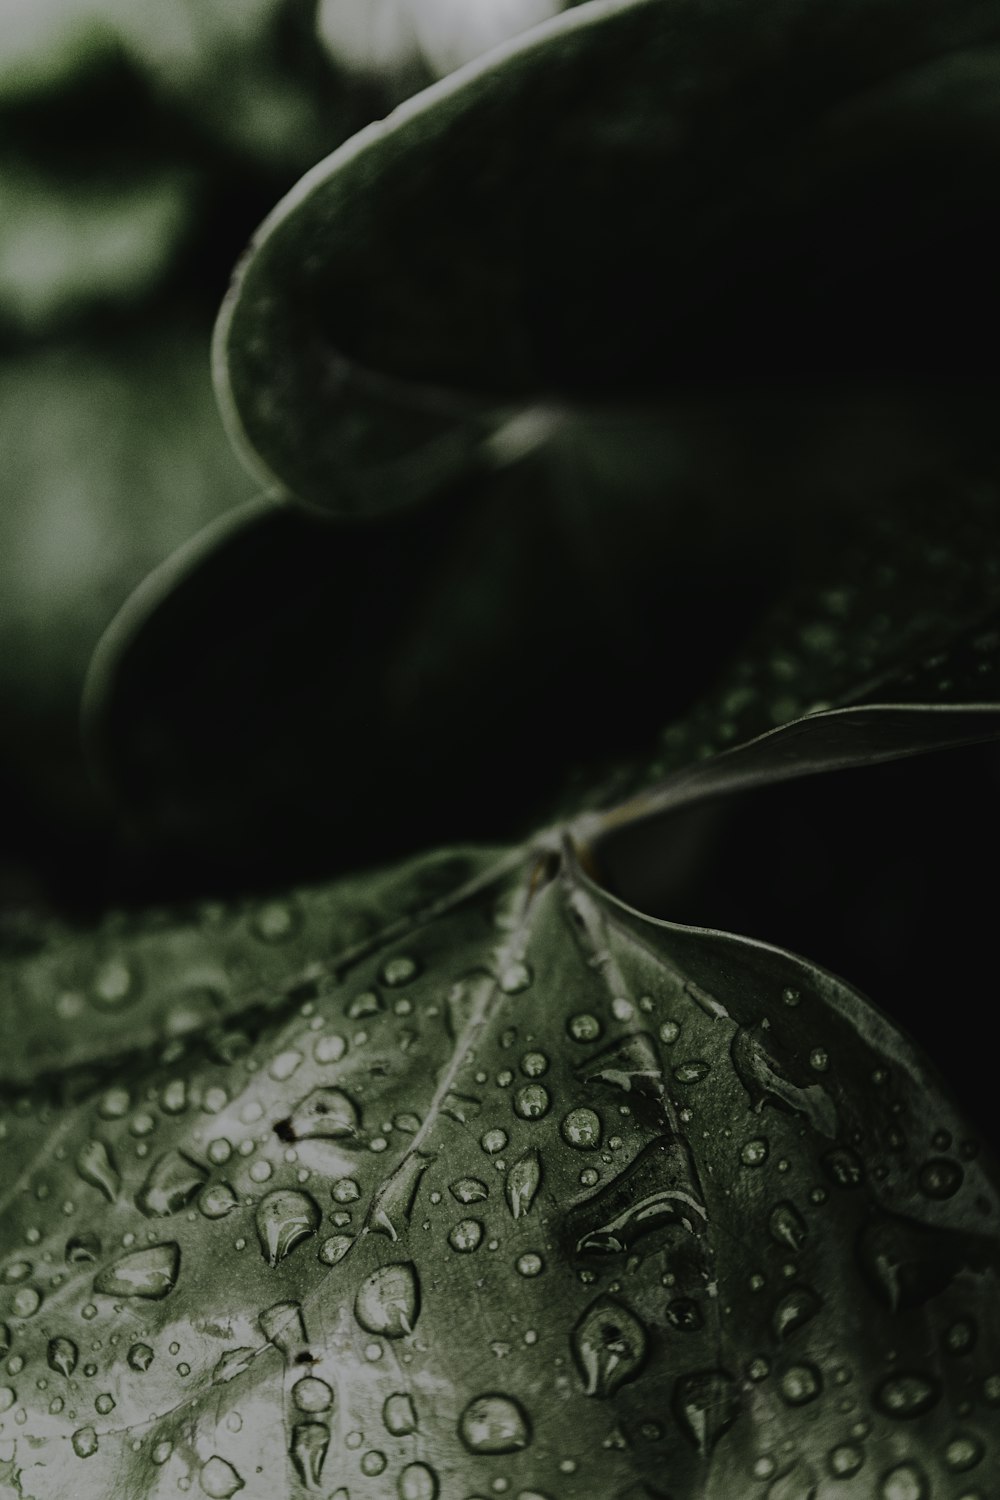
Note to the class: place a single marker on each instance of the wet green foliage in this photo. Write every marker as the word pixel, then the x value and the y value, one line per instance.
pixel 632 541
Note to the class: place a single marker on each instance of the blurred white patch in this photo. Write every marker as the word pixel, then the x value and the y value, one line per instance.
pixel 382 38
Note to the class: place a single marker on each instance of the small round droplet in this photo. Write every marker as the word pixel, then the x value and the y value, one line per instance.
pixel 105 1403
pixel 801 1384
pixel 399 1414
pixel 693 1071
pixel 311 1394
pixel 493 1141
pixel 494 1423
pixel 140 1357
pixel 466 1235
pixel 906 1481
pixel 754 1152
pixel 468 1190
pixel 115 984
pixel 844 1461
pixel 529 1264
pixel 217 1200
pixel 582 1129
pixel 399 970
pixel 963 1452
pixel 388 1300
pixel 515 978
pixel 907 1395
pixel 534 1064
pixel 84 1442
pixel 532 1101
pixel 335 1248
pixel 584 1027
pixel 373 1462
pixel 940 1178
pixel 961 1336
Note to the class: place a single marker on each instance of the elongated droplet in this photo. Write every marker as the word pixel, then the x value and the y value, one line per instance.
pixel 468 1190
pixel 494 1423
pixel 142 1273
pixel 522 1183
pixel 659 1187
pixel 787 1225
pixel 232 1363
pixel 388 1301
pixel 219 1479
pixel 399 1414
pixel 96 1166
pixel 172 1182
pixel 393 1202
pixel 310 1440
pixel 705 1403
pixel 284 1326
pixel 609 1345
pixel 284 1219
pixel 796 1308
pixel 325 1114
pixel 907 1395
pixel 63 1355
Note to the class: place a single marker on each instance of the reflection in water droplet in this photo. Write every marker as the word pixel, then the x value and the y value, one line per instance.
pixel 388 1301
pixel 62 1355
pixel 172 1182
pixel 796 1308
pixel 493 1423
pixel 532 1101
pixel 140 1357
pixel 522 1183
pixel 310 1440
pixel 284 1218
pixel 787 1225
pixel 705 1404
pixel 905 1481
pixel 142 1273
pixel 468 1190
pixel 399 1414
pixel 754 1152
pixel 907 1395
pixel 324 1114
pixel 417 1482
pixel 494 1141
pixel 84 1442
pixel 801 1384
pixel 466 1235
pixel 219 1479
pixel 96 1166
pixel 312 1394
pixel 582 1128
pixel 609 1344
pixel 335 1248
pixel 217 1200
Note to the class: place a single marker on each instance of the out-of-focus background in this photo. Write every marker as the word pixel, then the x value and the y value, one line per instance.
pixel 141 142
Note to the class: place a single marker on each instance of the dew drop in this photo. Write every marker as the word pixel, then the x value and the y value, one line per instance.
pixel 940 1178
pixel 172 1182
pixel 284 1326
pixel 693 1071
pixel 466 1235
pixel 311 1394
pixel 801 1384
pixel 787 1225
pixel 217 1200
pixel 609 1345
pixel 522 1183
pixel 388 1301
pixel 325 1114
pixel 62 1356
pixel 84 1442
pixel 906 1481
pixel 584 1027
pixel 284 1219
pixel 468 1190
pixel 582 1129
pixel 399 1414
pixel 494 1423
pixel 796 1308
pixel 96 1166
pixel 754 1152
pixel 140 1357
pixel 329 1049
pixel 532 1102
pixel 219 1479
pixel 907 1395
pixel 417 1482
pixel 494 1141
pixel 705 1404
pixel 515 978
pixel 844 1461
pixel 963 1453
pixel 310 1441
pixel 151 1272
pixel 333 1249
pixel 844 1167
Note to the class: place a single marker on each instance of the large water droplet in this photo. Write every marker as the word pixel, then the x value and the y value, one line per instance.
pixel 63 1355
pixel 172 1182
pixel 325 1114
pixel 906 1481
pixel 219 1479
pixel 466 1235
pixel 532 1102
pixel 310 1440
pixel 417 1482
pixel 468 1190
pixel 582 1128
pixel 609 1344
pixel 907 1394
pixel 522 1183
pixel 388 1301
pixel 494 1423
pixel 392 1204
pixel 787 1225
pixel 284 1219
pixel 399 1414
pixel 658 1188
pixel 217 1200
pixel 142 1273
pixel 284 1326
pixel 311 1394
pixel 140 1357
pixel 801 1384
pixel 96 1166
pixel 705 1404
pixel 84 1442
pixel 794 1310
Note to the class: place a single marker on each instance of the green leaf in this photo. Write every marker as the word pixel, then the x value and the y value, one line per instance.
pixel 527 1187
pixel 638 198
